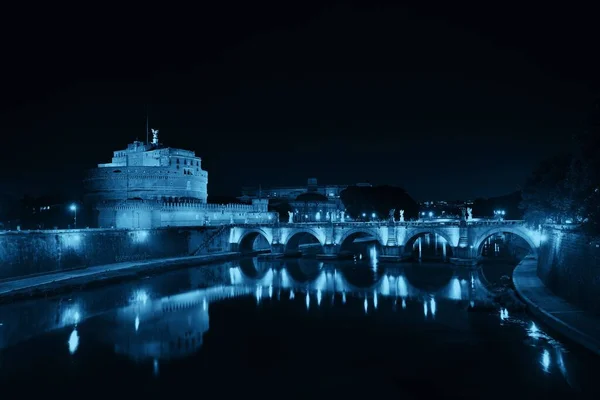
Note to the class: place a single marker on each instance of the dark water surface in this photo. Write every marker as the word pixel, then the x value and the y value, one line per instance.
pixel 294 328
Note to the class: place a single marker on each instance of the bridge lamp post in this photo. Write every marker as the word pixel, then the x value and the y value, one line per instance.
pixel 73 208
pixel 373 216
pixel 430 214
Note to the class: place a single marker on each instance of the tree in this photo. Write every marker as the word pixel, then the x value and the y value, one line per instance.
pixel 547 195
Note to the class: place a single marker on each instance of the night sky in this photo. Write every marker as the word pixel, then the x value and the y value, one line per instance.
pixel 450 103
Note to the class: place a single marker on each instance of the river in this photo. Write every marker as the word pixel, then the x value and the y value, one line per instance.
pixel 281 328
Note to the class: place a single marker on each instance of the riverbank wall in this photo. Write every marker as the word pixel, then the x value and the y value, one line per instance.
pixel 28 253
pixel 569 265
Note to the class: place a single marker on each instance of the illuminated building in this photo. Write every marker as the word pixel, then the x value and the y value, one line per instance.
pixel 149 185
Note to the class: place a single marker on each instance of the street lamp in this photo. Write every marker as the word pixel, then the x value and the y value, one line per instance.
pixel 74 209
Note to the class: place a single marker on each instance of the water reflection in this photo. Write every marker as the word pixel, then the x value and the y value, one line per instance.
pixel 153 323
pixel 232 279
pixel 73 341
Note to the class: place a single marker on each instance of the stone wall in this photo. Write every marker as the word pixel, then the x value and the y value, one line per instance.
pixel 569 264
pixel 35 252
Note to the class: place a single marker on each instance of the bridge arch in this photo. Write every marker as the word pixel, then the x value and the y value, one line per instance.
pixel 413 235
pixel 520 232
pixel 292 242
pixel 253 240
pixel 349 236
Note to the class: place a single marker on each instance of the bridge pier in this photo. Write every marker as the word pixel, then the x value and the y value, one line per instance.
pixel 463 256
pixel 392 253
pixel 330 251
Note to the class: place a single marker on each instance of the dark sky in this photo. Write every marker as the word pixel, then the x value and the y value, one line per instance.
pixel 450 102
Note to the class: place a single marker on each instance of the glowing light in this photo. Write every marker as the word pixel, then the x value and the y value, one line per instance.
pixel 285 279
pixel 545 361
pixel 543 237
pixel 270 291
pixel 235 275
pixel 292 294
pixel 430 214
pixel 73 341
pixel 139 236
pixel 73 207
pixel 137 322
pixel 139 297
pixel 343 297
pixel 319 297
pixel 534 332
pixel 71 316
pixel 307 300
pixel 432 306
pixel 402 287
pixel 385 286
pixel 258 294
pixel 404 304
pixel 375 299
pixel 366 305
pixel 425 310
pixel 373 257
pixel 204 304
pixel 503 314
pixel 455 290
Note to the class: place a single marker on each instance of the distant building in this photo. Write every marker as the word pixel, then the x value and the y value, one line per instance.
pixel 315 207
pixel 442 208
pixel 148 185
pixel 290 193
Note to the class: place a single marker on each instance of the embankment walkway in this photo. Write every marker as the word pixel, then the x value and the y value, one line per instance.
pixel 40 284
pixel 567 319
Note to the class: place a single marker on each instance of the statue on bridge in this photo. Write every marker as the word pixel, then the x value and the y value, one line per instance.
pixel 391 215
pixel 327 216
pixel 290 217
pixel 342 217
pixel 463 211
pixel 470 212
pixel 401 215
pixel 318 216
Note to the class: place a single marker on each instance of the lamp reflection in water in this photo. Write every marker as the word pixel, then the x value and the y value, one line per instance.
pixel 292 294
pixel 307 300
pixel 319 296
pixel 375 299
pixel 344 297
pixel 545 361
pixel 373 257
pixel 73 341
pixel 366 305
pixel 432 306
pixel 425 310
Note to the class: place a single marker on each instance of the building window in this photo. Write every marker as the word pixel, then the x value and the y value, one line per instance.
pixel 178 161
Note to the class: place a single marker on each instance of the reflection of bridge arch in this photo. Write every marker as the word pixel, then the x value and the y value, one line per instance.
pixel 361 277
pixel 252 268
pixel 520 232
pixel 348 237
pixel 293 240
pixel 248 239
pixel 303 270
pixel 420 277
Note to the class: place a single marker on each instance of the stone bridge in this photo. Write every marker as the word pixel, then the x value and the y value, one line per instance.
pixel 463 240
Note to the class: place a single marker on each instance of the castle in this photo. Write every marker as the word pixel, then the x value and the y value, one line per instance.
pixel 149 185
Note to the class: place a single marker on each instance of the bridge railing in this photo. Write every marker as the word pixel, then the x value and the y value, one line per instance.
pixel 425 223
